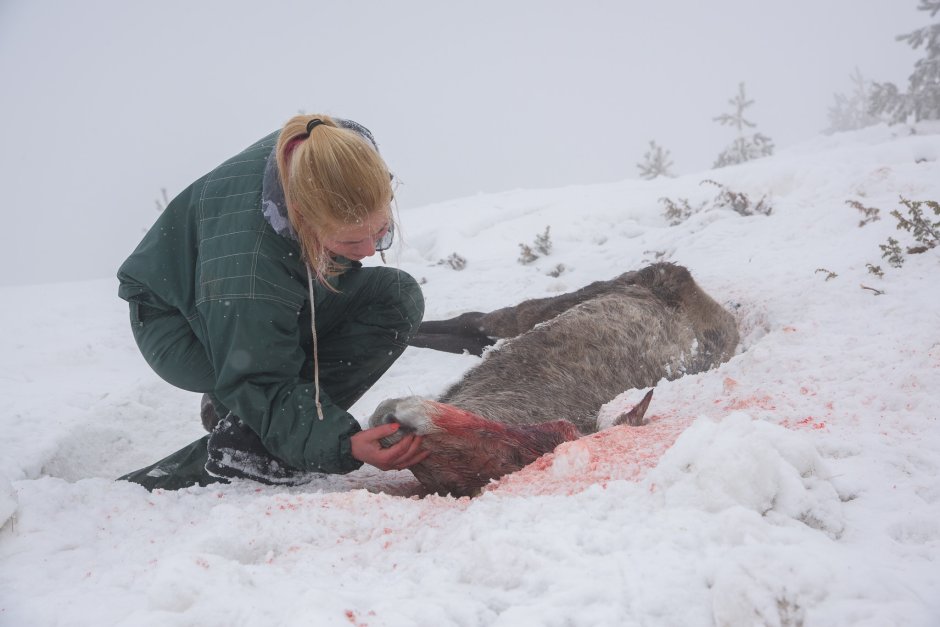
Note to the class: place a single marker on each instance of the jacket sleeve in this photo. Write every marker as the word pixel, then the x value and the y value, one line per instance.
pixel 254 346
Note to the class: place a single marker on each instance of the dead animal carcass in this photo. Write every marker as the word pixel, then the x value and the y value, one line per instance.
pixel 565 357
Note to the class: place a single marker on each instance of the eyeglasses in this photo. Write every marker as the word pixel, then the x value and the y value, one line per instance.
pixel 385 242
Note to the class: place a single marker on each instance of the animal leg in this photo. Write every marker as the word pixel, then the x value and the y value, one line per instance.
pixel 474 331
pixel 456 335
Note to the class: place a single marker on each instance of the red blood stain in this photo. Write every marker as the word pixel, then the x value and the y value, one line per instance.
pixel 809 422
pixel 748 402
pixel 628 453
pixel 463 423
pixel 354 619
pixel 618 453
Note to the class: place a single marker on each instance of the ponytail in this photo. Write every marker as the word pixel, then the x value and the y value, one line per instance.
pixel 333 177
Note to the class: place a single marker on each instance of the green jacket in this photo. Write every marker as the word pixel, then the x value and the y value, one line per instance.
pixel 215 258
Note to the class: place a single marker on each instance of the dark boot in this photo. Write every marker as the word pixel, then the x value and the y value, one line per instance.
pixel 236 452
pixel 207 411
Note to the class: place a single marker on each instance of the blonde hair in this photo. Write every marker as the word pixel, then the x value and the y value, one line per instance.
pixel 333 177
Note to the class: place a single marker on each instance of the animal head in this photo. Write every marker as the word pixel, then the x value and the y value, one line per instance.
pixel 467 450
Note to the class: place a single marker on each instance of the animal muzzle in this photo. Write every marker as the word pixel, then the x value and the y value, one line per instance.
pixel 404 428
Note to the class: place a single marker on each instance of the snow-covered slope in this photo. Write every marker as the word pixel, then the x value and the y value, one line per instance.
pixel 797 484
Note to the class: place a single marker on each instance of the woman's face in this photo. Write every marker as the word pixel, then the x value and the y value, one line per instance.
pixel 356 242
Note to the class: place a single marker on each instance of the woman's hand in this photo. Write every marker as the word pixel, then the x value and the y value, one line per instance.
pixel 404 453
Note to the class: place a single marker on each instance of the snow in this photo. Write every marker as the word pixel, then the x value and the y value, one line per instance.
pixel 797 484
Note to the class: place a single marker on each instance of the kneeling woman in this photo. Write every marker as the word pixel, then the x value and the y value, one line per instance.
pixel 249 289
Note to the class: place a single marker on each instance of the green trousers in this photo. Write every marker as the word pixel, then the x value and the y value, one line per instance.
pixel 355 349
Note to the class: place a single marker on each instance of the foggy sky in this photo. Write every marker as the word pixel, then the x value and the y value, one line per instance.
pixel 106 102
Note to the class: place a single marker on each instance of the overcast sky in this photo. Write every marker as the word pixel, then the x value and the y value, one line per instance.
pixel 105 102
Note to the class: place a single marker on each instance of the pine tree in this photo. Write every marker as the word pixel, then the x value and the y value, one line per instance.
pixel 743 148
pixel 851 112
pixel 922 98
pixel 656 162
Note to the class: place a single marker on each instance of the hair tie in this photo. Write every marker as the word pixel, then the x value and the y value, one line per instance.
pixel 314 123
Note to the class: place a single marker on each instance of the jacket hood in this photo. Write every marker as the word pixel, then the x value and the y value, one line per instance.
pixel 273 203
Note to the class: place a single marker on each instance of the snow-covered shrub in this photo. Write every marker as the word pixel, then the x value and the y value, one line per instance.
pixel 455 261
pixel 677 211
pixel 543 244
pixel 853 111
pixel 744 148
pixel 869 214
pixel 656 162
pixel 926 233
pixel 526 254
pixel 922 98
pixel 739 202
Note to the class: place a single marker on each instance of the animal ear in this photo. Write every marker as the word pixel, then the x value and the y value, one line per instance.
pixel 634 417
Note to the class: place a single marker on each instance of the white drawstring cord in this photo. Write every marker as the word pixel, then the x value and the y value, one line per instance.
pixel 316 357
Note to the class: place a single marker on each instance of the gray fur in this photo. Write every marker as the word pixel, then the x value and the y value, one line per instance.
pixel 629 334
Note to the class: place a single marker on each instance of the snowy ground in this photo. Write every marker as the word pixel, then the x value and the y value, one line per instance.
pixel 797 484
